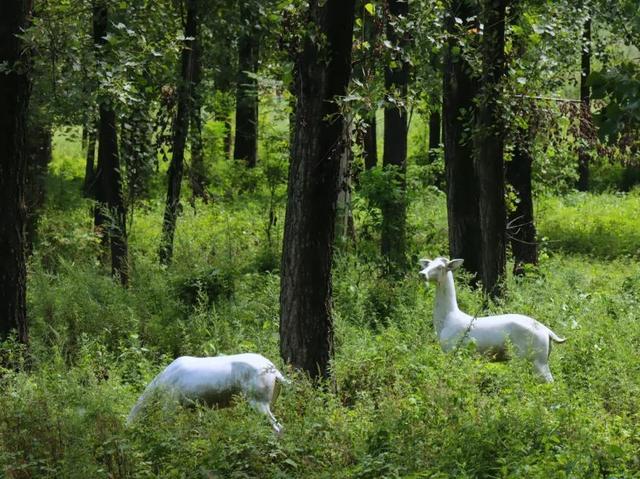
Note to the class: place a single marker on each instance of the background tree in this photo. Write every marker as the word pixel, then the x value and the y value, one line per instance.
pixel 14 96
pixel 110 212
pixel 522 132
pixel 197 172
pixel 435 126
pixel 38 150
pixel 393 237
pixel 246 140
pixel 323 68
pixel 365 72
pixel 585 105
pixel 460 86
pixel 180 130
pixel 490 148
pixel 521 228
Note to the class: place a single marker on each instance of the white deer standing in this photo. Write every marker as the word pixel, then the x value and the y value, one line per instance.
pixel 530 339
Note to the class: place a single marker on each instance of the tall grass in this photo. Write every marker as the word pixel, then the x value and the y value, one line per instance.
pixel 396 405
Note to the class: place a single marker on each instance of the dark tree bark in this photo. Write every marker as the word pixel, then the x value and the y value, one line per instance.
pixel 306 329
pixel 435 122
pixel 369 135
pixel 394 210
pixel 490 149
pixel 15 89
pixel 246 144
pixel 459 90
pixel 197 172
pixel 585 107
pixel 369 142
pixel 345 226
pixel 88 187
pixel 521 229
pixel 176 167
pixel 38 151
pixel 110 213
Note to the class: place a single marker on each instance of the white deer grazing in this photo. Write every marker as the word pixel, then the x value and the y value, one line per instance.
pixel 214 381
pixel 530 339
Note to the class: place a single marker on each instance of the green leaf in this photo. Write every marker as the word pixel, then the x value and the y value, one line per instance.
pixel 370 8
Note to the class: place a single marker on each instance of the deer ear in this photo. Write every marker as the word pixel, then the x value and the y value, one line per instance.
pixel 454 264
pixel 424 262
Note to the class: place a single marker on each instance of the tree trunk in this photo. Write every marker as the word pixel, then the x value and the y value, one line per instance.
pixel 110 213
pixel 172 205
pixel 14 97
pixel 459 90
pixel 490 149
pixel 434 134
pixel 88 187
pixel 368 134
pixel 323 69
pixel 38 151
pixel 345 227
pixel 521 229
pixel 197 172
pixel 369 142
pixel 585 107
pixel 394 210
pixel 246 144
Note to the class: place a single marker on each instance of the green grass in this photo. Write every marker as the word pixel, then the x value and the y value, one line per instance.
pixel 604 225
pixel 396 407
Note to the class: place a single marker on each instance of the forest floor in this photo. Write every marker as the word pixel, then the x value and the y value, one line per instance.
pixel 397 406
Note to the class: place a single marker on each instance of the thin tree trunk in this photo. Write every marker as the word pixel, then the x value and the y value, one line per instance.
pixel 368 138
pixel 110 213
pixel 15 88
pixel 246 144
pixel 89 171
pixel 490 150
pixel 459 90
pixel 176 167
pixel 197 172
pixel 394 210
pixel 38 151
pixel 110 210
pixel 345 227
pixel 369 142
pixel 435 122
pixel 585 107
pixel 323 68
pixel 521 229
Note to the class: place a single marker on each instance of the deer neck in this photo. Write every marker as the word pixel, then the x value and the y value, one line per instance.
pixel 446 306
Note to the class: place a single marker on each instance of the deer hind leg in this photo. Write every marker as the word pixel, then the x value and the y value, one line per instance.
pixel 263 408
pixel 542 368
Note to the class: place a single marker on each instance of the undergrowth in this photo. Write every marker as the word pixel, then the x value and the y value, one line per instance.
pixel 396 406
